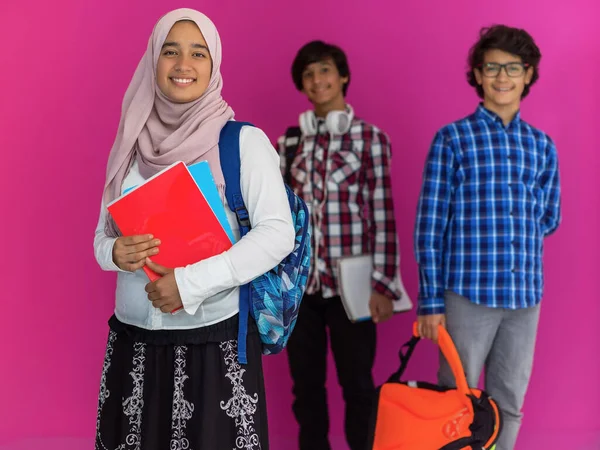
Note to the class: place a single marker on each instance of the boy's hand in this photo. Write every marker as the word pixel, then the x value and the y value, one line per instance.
pixel 428 325
pixel 381 307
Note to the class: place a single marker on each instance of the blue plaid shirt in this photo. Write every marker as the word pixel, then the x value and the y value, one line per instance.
pixel 490 195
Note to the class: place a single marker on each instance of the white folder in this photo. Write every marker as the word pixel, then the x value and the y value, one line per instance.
pixel 354 282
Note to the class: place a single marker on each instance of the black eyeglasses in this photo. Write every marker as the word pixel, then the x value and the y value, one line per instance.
pixel 513 69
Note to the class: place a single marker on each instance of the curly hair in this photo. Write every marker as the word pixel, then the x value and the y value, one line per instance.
pixel 510 40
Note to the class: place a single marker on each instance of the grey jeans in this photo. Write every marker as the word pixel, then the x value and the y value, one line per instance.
pixel 503 342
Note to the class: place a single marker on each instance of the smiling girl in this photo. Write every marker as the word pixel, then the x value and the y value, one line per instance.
pixel 174 381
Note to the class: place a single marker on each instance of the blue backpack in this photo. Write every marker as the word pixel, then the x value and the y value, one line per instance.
pixel 273 299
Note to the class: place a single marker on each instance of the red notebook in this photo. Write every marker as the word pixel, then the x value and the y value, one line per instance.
pixel 170 206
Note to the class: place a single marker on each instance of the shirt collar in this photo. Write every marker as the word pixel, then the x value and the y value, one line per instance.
pixel 486 114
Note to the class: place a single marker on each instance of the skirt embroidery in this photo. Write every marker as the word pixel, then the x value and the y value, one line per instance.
pixel 133 405
pixel 182 409
pixel 104 392
pixel 221 400
pixel 242 406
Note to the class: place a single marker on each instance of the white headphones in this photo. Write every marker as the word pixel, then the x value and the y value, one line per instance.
pixel 337 122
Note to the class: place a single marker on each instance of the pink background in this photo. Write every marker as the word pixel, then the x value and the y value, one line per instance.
pixel 66 65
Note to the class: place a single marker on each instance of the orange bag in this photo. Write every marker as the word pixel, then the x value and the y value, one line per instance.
pixel 424 416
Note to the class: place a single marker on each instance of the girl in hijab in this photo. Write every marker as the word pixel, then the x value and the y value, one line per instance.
pixel 173 381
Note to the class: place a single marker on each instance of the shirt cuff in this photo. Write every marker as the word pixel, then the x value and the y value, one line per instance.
pixel 202 280
pixel 383 289
pixel 431 306
pixel 107 262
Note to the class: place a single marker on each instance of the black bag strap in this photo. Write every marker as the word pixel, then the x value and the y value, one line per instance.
pixel 464 443
pixel 292 140
pixel 405 356
pixel 449 351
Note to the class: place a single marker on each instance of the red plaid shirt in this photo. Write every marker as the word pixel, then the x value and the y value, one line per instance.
pixel 345 181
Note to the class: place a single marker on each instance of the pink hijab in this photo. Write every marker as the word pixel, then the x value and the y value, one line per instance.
pixel 159 132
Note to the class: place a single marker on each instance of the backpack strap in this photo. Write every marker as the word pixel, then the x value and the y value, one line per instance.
pixel 404 358
pixel 291 142
pixel 229 152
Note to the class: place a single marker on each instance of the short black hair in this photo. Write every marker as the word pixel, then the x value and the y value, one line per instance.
pixel 510 40
pixel 318 51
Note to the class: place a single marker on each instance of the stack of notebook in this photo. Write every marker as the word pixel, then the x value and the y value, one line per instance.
pixel 182 207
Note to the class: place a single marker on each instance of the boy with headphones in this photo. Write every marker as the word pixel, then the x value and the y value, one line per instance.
pixel 339 165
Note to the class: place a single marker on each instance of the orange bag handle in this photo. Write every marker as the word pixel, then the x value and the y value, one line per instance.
pixel 451 354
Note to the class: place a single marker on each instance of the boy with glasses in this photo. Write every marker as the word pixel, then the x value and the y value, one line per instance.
pixel 490 196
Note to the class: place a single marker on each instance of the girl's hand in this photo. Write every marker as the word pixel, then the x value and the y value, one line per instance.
pixel 130 252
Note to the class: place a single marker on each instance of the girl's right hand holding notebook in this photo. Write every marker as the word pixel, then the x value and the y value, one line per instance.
pixel 130 252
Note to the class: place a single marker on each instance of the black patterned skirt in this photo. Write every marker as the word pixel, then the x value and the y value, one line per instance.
pixel 180 390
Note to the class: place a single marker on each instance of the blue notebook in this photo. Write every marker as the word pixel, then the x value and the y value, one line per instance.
pixel 203 177
pixel 204 180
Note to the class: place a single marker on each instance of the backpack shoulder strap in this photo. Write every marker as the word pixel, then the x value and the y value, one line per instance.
pixel 229 152
pixel 291 143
